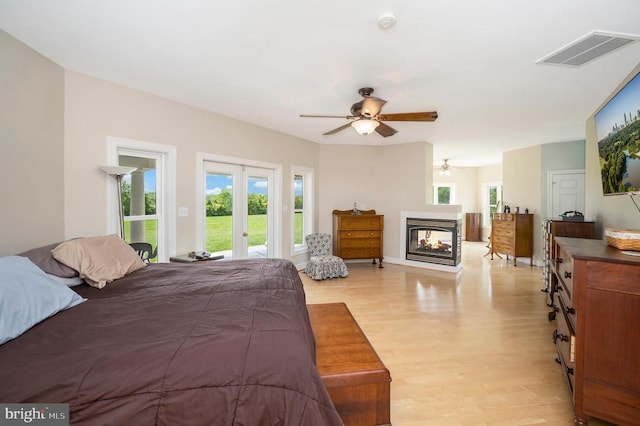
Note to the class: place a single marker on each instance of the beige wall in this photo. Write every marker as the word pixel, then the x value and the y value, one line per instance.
pixel 96 109
pixel 613 210
pixel 31 148
pixel 387 178
pixel 522 174
pixel 78 113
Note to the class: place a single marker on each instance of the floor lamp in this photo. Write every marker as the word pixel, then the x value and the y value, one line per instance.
pixel 118 172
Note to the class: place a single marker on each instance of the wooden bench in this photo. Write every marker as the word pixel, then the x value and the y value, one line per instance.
pixel 357 380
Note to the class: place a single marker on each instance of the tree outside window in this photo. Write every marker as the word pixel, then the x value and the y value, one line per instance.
pixel 443 193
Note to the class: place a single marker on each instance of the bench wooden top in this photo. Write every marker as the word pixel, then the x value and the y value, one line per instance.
pixel 344 355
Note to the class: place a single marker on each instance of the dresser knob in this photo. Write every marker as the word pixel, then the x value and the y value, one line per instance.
pixel 571 311
pixel 570 370
pixel 559 260
pixel 567 274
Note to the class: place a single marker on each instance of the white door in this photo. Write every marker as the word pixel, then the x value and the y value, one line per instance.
pixel 567 193
pixel 238 212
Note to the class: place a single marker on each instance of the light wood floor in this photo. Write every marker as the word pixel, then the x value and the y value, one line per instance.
pixel 473 348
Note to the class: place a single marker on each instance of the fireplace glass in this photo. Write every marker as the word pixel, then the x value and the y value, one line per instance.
pixel 434 241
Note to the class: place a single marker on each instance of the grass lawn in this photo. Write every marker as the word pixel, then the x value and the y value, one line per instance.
pixel 219 232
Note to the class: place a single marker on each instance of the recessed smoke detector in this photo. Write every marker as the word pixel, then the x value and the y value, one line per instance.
pixel 386 20
pixel 587 48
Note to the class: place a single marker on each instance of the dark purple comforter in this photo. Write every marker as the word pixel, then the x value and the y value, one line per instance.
pixel 224 343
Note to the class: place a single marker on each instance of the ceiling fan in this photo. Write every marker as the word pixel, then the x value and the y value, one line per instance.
pixel 366 116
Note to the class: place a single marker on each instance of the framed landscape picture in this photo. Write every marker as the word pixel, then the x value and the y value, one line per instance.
pixel 618 136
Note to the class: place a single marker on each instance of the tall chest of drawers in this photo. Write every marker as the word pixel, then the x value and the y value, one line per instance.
pixel 358 236
pixel 512 234
pixel 598 329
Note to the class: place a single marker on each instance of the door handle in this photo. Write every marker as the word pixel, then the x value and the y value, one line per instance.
pixel 244 234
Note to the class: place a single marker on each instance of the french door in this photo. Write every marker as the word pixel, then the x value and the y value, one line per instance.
pixel 238 219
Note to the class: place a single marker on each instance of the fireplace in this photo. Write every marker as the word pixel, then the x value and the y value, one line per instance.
pixel 436 241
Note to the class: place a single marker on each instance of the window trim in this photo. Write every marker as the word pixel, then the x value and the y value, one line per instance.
pixel 307 207
pixel 167 184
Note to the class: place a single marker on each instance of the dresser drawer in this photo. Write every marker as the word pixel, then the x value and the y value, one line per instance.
pixel 569 310
pixel 504 231
pixel 564 268
pixel 565 340
pixel 360 223
pixel 501 239
pixel 506 217
pixel 499 242
pixel 359 253
pixel 344 235
pixel 360 243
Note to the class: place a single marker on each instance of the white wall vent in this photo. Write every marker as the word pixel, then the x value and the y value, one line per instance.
pixel 587 48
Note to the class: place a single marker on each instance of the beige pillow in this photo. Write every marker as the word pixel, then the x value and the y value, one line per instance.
pixel 98 260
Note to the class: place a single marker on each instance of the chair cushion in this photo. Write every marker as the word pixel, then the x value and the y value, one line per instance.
pixel 323 267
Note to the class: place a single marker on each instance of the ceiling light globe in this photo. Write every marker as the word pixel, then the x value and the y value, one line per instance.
pixel 364 126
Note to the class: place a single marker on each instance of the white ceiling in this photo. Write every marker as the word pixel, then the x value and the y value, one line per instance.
pixel 266 62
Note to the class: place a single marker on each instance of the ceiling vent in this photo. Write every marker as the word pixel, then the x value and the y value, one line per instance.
pixel 588 48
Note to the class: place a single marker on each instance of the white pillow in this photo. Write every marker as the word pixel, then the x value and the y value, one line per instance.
pixel 28 296
pixel 99 260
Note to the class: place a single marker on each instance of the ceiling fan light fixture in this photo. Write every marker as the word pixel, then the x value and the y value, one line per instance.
pixel 444 169
pixel 364 126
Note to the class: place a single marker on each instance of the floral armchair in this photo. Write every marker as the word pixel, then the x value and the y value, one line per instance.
pixel 322 264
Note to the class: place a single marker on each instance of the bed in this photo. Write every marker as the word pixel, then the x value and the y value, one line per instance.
pixel 226 343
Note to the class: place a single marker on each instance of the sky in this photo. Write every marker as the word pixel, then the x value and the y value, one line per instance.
pixel 218 182
pixel 626 101
pixel 149 180
pixel 215 183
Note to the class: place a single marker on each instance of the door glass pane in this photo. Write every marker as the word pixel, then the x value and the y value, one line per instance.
pixel 139 191
pixel 218 230
pixel 257 209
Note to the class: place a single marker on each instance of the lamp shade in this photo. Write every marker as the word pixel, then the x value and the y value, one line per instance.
pixel 117 170
pixel 364 126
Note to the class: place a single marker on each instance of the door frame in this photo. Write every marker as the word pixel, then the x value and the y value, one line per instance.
pixel 550 175
pixel 201 158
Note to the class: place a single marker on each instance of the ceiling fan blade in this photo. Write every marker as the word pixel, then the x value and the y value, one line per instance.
pixel 331 132
pixel 385 130
pixel 348 117
pixel 409 116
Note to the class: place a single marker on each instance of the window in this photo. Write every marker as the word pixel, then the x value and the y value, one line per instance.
pixel 302 207
pixel 148 193
pixel 444 193
pixel 492 199
pixel 141 196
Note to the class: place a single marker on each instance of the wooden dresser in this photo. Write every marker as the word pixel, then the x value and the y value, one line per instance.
pixel 358 236
pixel 473 226
pixel 551 229
pixel 512 234
pixel 598 333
